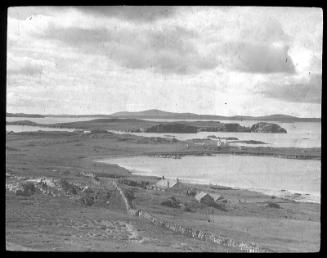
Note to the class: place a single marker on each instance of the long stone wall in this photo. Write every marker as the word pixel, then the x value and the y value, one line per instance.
pixel 189 232
pixel 126 202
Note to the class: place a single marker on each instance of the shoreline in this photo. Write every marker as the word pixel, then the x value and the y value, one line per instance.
pixel 239 152
pixel 313 153
pixel 292 194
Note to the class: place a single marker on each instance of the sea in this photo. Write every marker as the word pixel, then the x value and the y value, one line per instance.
pixel 297 179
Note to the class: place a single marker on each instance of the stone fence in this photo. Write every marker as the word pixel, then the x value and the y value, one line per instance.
pixel 189 232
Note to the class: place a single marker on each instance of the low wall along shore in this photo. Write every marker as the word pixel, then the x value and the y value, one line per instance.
pixel 189 232
pixel 235 151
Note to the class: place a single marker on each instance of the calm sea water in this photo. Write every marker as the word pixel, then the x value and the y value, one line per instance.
pixel 43 120
pixel 27 128
pixel 302 135
pixel 50 119
pixel 264 174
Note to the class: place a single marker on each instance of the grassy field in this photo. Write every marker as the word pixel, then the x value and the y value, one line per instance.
pixel 65 221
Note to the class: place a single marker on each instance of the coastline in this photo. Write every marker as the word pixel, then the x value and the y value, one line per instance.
pixel 286 194
pixel 313 153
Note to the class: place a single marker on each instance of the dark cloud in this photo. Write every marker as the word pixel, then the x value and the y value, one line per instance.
pixel 75 36
pixel 131 13
pixel 169 50
pixel 259 58
pixel 306 92
pixel 172 39
pixel 257 50
pixel 172 50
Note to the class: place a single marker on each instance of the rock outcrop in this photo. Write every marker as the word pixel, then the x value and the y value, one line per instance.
pixel 272 205
pixel 234 127
pixel 171 202
pixel 26 189
pixel 228 127
pixel 264 127
pixel 185 128
pixel 172 128
pixel 23 122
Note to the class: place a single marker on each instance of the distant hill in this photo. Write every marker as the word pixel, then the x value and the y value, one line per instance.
pixel 77 116
pixel 23 115
pixel 155 113
pixel 158 114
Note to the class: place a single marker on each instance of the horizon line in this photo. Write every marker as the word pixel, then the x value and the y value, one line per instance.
pixel 227 116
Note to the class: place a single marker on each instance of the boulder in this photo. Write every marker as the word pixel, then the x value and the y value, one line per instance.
pixel 263 127
pixel 91 196
pixel 272 205
pixel 87 200
pixel 171 202
pixel 68 187
pixel 26 189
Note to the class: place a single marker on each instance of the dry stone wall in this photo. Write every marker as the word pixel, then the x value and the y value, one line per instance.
pixel 189 232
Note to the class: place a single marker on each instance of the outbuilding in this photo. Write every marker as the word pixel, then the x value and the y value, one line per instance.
pixel 165 184
pixel 207 198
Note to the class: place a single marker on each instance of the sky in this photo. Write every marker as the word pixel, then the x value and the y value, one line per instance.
pixel 205 60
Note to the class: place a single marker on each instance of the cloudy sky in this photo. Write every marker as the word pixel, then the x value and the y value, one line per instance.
pixel 206 60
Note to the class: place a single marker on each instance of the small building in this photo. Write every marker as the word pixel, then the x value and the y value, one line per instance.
pixel 207 198
pixel 165 184
pixel 216 197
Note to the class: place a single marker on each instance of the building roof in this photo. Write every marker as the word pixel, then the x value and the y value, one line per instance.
pixel 166 183
pixel 200 195
pixel 216 197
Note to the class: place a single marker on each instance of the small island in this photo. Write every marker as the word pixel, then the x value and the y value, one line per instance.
pixel 261 127
pixel 264 127
pixel 137 126
pixel 24 115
